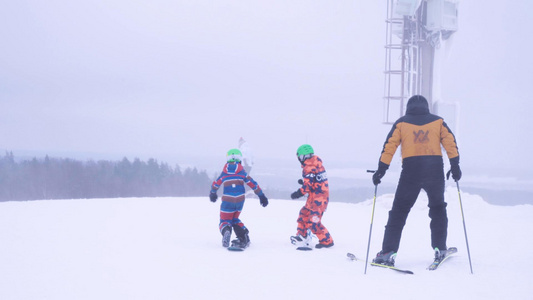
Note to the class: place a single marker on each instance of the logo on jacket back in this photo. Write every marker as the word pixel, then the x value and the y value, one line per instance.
pixel 421 137
pixel 320 177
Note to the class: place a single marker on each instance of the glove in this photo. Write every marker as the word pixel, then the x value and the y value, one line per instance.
pixel 296 194
pixel 382 169
pixel 213 197
pixel 300 181
pixel 263 200
pixel 454 169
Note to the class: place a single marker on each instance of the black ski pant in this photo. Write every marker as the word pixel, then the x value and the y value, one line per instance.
pixel 409 186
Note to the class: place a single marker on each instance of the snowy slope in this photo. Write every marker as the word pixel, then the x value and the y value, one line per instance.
pixel 169 248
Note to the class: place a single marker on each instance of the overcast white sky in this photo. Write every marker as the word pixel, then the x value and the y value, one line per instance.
pixel 172 79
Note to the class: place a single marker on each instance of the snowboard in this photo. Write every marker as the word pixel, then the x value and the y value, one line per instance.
pixel 236 248
pixel 233 248
pixel 304 248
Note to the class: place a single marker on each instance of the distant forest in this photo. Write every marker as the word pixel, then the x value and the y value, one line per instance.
pixel 63 178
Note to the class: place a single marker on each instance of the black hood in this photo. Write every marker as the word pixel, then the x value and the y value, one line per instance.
pixel 417 105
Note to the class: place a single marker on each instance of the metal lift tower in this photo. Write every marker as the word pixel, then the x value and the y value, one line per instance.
pixel 415 32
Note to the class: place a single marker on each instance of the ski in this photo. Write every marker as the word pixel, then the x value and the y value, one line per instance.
pixel 392 268
pixel 352 256
pixel 438 262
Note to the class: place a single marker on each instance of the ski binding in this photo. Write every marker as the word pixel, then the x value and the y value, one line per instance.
pixel 437 262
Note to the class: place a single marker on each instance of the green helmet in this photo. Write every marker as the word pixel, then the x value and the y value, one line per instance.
pixel 234 155
pixel 304 152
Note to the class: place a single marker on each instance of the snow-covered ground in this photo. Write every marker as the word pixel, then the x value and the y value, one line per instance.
pixel 169 248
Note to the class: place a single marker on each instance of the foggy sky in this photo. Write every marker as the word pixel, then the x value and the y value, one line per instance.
pixel 183 80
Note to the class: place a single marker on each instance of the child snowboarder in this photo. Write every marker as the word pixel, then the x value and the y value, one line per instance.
pixel 233 178
pixel 315 184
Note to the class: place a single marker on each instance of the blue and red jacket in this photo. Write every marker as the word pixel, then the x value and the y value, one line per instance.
pixel 233 177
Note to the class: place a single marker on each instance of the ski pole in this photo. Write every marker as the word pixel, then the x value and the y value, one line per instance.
pixel 464 227
pixel 371 222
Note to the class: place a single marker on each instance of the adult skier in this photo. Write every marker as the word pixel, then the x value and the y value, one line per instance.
pixel 420 135
pixel 315 184
pixel 233 178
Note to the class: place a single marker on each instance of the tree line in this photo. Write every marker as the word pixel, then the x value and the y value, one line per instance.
pixel 63 178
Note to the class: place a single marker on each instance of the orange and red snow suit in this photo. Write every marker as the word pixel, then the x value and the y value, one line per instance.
pixel 315 184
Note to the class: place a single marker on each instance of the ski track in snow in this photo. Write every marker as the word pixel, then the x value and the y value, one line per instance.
pixel 170 248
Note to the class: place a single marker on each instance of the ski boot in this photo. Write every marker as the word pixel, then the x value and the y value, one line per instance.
pixel 385 258
pixel 440 254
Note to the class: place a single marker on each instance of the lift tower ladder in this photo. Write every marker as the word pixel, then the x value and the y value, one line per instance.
pixel 402 57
